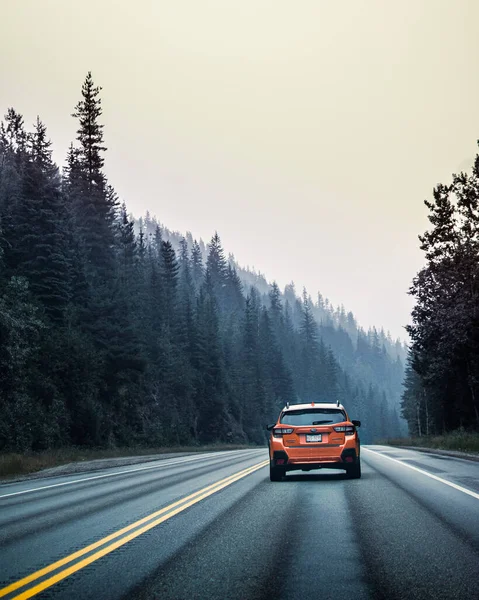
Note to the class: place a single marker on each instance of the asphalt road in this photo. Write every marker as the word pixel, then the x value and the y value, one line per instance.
pixel 212 526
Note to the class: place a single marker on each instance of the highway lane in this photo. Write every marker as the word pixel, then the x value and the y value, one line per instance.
pixel 213 526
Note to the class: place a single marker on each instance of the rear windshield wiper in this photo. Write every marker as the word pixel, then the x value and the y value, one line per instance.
pixel 320 422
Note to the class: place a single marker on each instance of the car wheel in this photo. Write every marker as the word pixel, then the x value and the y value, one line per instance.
pixel 354 471
pixel 275 474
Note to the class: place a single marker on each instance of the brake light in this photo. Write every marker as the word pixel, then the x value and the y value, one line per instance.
pixel 280 431
pixel 346 429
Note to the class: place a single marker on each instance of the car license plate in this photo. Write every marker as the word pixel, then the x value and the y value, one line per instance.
pixel 313 438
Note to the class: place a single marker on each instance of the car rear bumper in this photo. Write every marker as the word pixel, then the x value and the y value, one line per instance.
pixel 345 459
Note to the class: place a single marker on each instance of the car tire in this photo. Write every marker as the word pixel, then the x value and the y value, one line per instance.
pixel 354 471
pixel 276 474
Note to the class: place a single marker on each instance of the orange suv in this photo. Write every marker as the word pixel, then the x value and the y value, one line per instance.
pixel 314 436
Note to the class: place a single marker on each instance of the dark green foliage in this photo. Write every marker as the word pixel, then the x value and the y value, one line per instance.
pixel 197 270
pixel 310 384
pixel 20 346
pixel 442 381
pixel 38 224
pixel 170 284
pixel 90 135
pixel 93 202
pixel 115 333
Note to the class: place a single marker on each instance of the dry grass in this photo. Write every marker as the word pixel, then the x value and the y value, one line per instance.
pixel 21 464
pixel 460 440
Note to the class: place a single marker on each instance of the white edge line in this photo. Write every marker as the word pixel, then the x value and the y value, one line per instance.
pixel 445 481
pixel 164 463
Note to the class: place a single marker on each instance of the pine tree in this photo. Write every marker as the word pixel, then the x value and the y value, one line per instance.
pixel 210 383
pixel 414 405
pixel 184 266
pixel 445 329
pixel 13 135
pixel 95 203
pixel 38 222
pixel 187 300
pixel 127 250
pixel 233 291
pixel 197 269
pixel 217 268
pixel 309 388
pixel 170 283
pixel 90 135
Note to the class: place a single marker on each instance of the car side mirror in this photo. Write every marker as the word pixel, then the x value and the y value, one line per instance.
pixel 356 423
pixel 270 427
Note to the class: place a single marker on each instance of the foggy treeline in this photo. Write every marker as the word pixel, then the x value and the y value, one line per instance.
pixel 442 376
pixel 121 332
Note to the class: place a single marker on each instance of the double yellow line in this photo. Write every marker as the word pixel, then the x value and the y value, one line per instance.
pixel 139 527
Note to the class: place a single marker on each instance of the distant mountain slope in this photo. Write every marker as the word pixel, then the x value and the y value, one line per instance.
pixel 370 359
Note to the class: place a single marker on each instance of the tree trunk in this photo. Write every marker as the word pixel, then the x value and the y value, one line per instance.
pixel 418 415
pixel 470 383
pixel 427 412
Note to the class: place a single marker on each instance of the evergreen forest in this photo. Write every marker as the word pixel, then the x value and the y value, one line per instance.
pixel 116 331
pixel 441 390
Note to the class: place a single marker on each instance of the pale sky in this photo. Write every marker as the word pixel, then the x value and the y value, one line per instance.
pixel 307 132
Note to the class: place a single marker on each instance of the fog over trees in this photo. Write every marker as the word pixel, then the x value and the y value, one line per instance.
pixel 116 331
pixel 442 378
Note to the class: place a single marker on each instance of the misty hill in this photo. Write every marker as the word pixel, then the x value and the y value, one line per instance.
pixel 371 358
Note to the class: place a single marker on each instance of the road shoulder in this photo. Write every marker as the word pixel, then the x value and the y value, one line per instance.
pixel 452 453
pixel 89 466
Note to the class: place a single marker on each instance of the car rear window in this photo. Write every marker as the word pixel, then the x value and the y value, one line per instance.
pixel 313 416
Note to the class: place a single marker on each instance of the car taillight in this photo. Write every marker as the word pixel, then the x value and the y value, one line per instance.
pixel 280 431
pixel 346 429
